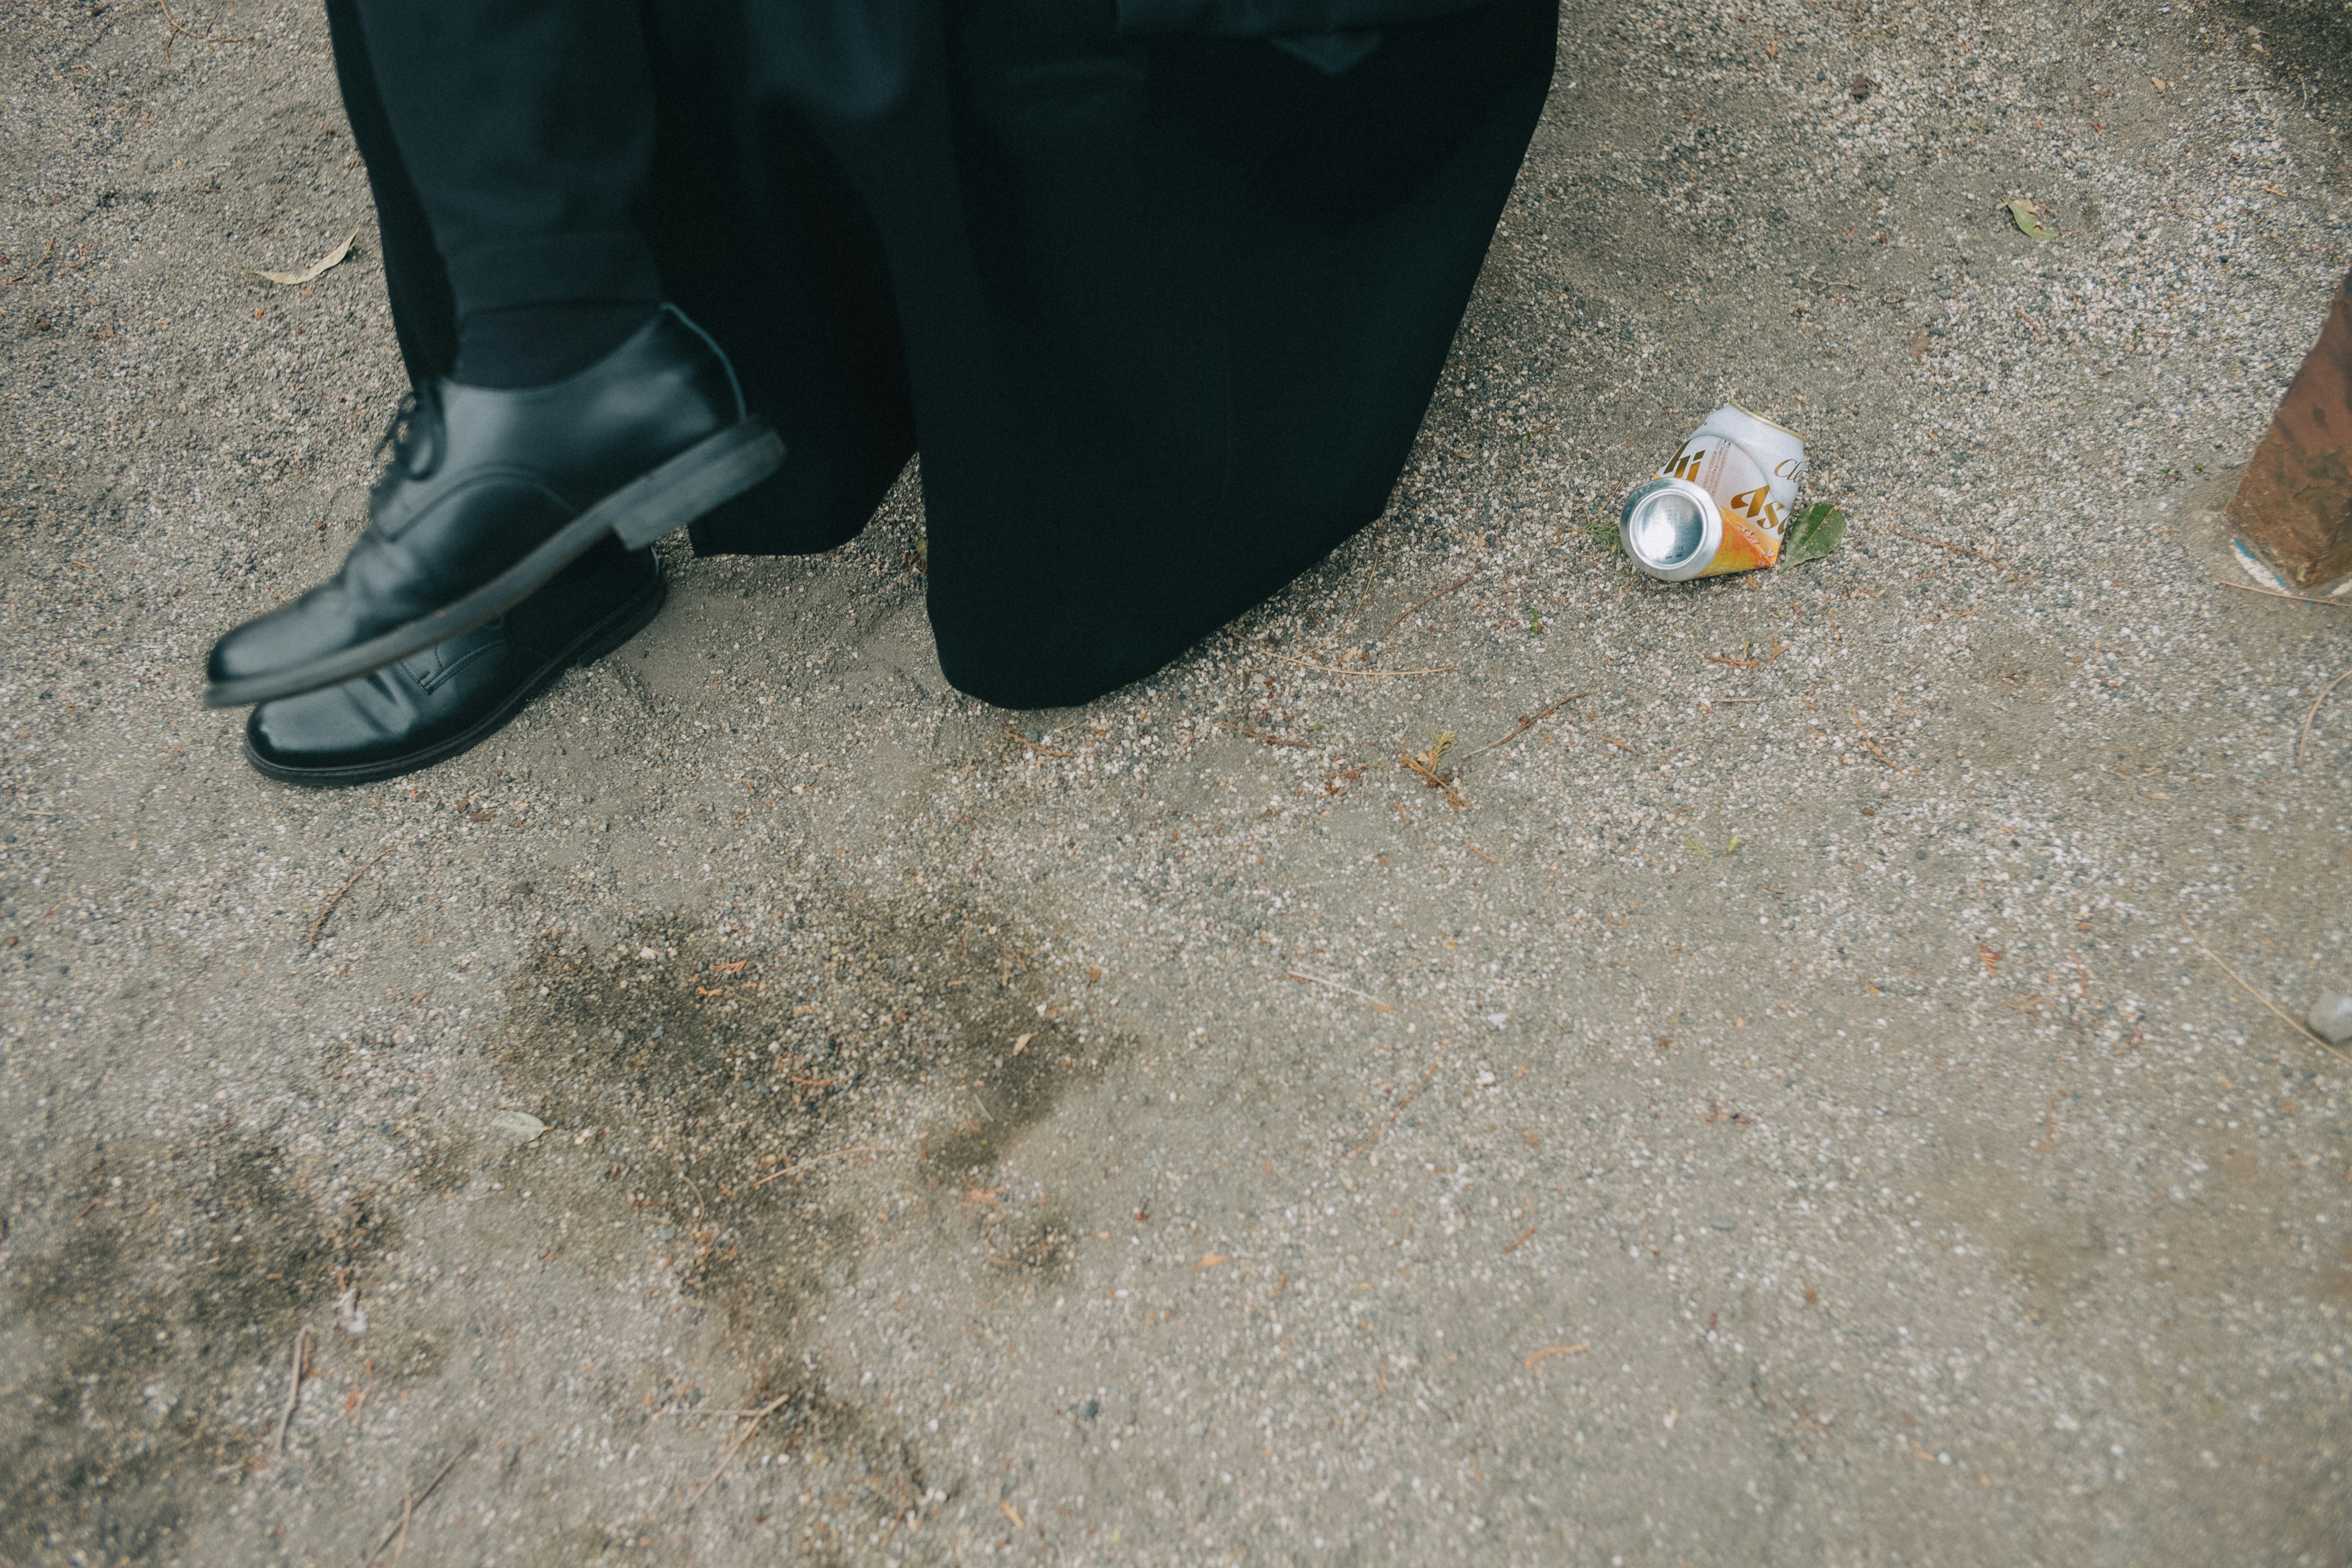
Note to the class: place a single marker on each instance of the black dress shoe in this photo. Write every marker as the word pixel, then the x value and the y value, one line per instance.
pixel 437 703
pixel 491 492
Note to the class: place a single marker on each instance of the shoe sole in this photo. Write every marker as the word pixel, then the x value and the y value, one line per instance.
pixel 704 476
pixel 590 645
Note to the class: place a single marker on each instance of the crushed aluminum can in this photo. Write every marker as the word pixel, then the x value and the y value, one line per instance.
pixel 1720 503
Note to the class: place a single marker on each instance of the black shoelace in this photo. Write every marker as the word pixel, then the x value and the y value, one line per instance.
pixel 413 433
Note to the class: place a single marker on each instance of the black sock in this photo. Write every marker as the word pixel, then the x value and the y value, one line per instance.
pixel 531 345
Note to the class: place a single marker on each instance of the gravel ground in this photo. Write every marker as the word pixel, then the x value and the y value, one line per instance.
pixel 1770 1110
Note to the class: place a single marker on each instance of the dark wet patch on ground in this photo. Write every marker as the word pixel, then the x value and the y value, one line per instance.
pixel 151 1305
pixel 728 1078
pixel 2309 42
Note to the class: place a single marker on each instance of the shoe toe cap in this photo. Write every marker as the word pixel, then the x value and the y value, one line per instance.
pixel 242 653
pixel 353 725
pixel 287 637
pixel 378 725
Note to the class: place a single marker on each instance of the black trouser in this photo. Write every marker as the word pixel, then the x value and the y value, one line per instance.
pixel 497 184
pixel 1162 315
pixel 528 126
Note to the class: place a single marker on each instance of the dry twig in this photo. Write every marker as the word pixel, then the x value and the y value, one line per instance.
pixel 2343 603
pixel 818 1160
pixel 1424 768
pixel 1871 747
pixel 2305 733
pixel 1946 544
pixel 1334 670
pixel 1424 605
pixel 1318 979
pixel 727 1455
pixel 1545 1353
pixel 174 23
pixel 1272 740
pixel 1041 751
pixel 1527 722
pixel 1675 1014
pixel 51 250
pixel 399 1527
pixel 293 1386
pixel 2257 995
pixel 320 924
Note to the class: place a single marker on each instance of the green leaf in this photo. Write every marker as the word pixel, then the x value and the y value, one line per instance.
pixel 1816 531
pixel 2034 221
pixel 1605 535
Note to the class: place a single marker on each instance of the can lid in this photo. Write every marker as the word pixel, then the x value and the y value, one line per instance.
pixel 1672 529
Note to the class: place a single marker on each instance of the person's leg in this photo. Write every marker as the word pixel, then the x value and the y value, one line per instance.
pixel 433 705
pixel 424 312
pixel 580 408
pixel 528 128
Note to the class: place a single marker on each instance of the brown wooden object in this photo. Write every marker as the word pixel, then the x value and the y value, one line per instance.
pixel 2294 503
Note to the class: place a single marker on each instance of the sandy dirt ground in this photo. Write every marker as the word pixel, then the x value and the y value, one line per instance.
pixel 767 1107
